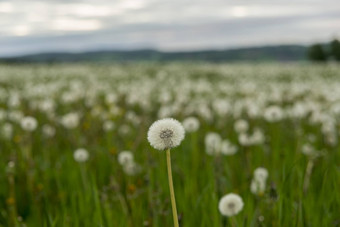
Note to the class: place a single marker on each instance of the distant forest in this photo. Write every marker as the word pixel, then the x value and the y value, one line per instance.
pixel 282 53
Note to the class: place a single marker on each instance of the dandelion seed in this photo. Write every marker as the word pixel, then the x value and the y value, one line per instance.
pixel 230 204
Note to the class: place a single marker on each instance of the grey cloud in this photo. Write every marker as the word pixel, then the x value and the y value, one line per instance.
pixel 180 25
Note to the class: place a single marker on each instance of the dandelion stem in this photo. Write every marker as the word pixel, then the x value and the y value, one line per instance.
pixel 308 175
pixel 171 187
pixel 11 200
pixel 233 222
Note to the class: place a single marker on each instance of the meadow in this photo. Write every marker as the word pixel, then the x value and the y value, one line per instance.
pixel 74 148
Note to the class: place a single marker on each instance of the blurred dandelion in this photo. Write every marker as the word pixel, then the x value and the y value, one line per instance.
pixel 230 204
pixel 81 155
pixel 125 157
pixel 29 123
pixel 258 183
pixel 126 160
pixel 191 124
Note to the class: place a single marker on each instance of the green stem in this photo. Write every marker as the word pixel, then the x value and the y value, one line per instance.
pixel 11 200
pixel 233 222
pixel 308 175
pixel 171 187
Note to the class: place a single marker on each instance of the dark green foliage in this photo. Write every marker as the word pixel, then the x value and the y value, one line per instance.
pixel 317 53
pixel 335 49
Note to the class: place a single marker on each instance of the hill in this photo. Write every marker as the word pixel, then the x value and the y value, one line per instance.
pixel 266 53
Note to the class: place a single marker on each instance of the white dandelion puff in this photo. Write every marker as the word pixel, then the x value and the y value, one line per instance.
pixel 261 173
pixel 212 143
pixel 241 126
pixel 258 183
pixel 228 148
pixel 48 130
pixel 125 157
pixel 81 155
pixel 131 168
pixel 166 133
pixel 257 187
pixel 70 120
pixel 29 123
pixel 191 124
pixel 7 130
pixel 108 125
pixel 230 204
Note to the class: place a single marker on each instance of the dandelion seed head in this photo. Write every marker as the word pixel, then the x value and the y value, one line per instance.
pixel 70 120
pixel 212 143
pixel 261 173
pixel 125 157
pixel 241 126
pixel 227 148
pixel 48 130
pixel 257 186
pixel 191 124
pixel 29 124
pixel 230 204
pixel 165 133
pixel 7 130
pixel 131 168
pixel 108 125
pixel 81 155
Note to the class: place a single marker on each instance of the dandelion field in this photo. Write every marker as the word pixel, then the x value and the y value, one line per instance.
pixel 74 148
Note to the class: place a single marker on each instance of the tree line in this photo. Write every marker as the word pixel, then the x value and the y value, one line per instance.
pixel 324 52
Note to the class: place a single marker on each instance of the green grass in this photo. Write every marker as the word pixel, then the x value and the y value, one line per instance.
pixel 52 189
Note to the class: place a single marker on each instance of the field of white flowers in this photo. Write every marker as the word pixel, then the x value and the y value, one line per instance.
pixel 261 144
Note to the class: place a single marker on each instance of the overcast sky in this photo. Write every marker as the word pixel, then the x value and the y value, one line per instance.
pixel 80 25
